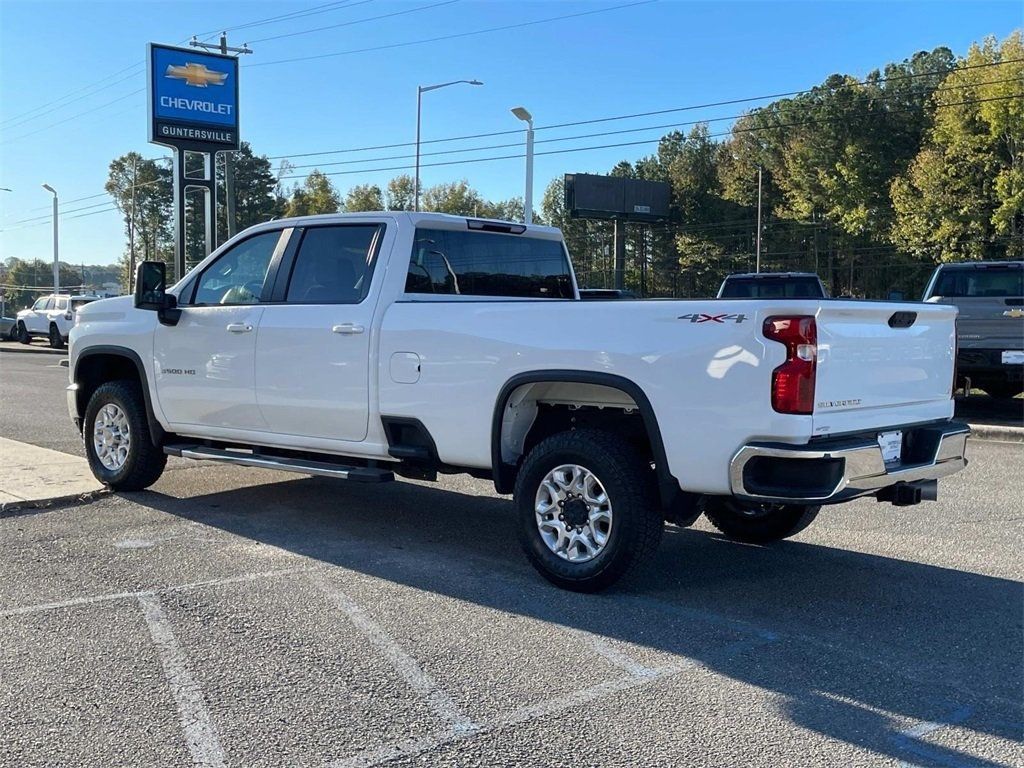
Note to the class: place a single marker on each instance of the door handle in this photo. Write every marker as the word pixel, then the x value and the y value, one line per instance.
pixel 239 327
pixel 348 328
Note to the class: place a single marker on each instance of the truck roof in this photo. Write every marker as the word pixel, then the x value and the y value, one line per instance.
pixel 416 218
pixel 770 275
pixel 981 264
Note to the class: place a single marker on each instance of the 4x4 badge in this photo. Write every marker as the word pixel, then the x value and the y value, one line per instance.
pixel 702 317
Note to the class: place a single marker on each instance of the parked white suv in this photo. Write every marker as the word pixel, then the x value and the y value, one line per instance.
pixel 51 317
pixel 364 346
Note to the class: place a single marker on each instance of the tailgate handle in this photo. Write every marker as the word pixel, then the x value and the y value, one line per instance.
pixel 902 319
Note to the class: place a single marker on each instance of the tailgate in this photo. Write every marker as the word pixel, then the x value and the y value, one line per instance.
pixel 989 323
pixel 883 364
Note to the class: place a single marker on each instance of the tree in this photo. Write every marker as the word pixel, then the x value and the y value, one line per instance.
pixel 456 197
pixel 401 193
pixel 963 195
pixel 257 198
pixel 364 197
pixel 37 272
pixel 316 195
pixel 148 211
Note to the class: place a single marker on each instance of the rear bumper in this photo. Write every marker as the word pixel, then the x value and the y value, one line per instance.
pixel 838 469
pixel 988 363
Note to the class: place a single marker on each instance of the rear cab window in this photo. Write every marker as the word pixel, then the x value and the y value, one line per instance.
pixel 478 263
pixel 768 288
pixel 990 281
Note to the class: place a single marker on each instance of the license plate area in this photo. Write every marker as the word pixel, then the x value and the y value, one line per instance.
pixel 891 445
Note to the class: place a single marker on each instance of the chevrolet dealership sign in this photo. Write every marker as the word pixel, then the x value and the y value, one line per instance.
pixel 193 99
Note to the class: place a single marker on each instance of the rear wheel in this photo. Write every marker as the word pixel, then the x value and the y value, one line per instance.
pixel 56 340
pixel 118 445
pixel 587 510
pixel 23 335
pixel 757 523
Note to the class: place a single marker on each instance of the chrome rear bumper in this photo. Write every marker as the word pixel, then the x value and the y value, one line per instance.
pixel 834 470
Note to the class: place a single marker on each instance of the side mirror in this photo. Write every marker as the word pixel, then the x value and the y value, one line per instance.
pixel 150 286
pixel 151 292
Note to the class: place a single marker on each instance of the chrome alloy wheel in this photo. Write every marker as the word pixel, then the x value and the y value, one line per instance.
pixel 574 514
pixel 111 437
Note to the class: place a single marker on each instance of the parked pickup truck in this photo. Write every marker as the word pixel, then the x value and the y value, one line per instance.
pixel 990 327
pixel 367 346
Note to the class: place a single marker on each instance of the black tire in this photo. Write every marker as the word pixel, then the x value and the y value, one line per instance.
pixel 14 332
pixel 629 484
pixel 145 462
pixel 1002 389
pixel 757 523
pixel 56 340
pixel 23 334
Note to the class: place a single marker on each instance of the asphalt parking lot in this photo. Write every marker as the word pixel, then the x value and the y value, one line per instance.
pixel 252 618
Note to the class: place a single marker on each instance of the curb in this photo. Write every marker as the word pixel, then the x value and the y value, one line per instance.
pixel 8 507
pixel 997 432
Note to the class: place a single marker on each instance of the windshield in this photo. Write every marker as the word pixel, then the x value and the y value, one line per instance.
pixel 993 282
pixel 772 288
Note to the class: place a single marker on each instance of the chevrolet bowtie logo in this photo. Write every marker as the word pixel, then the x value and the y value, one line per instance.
pixel 196 74
pixel 1014 313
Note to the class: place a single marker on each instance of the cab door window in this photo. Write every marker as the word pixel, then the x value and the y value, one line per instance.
pixel 238 275
pixel 40 304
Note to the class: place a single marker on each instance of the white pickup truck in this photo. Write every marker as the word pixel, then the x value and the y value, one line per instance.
pixel 367 346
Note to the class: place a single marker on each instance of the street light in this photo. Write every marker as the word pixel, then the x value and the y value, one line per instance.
pixel 523 114
pixel 56 239
pixel 420 90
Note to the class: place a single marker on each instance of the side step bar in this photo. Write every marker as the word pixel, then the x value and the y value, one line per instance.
pixel 302 466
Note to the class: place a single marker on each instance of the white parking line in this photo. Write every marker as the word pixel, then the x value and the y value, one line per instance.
pixel 200 735
pixel 90 599
pixel 614 656
pixel 414 747
pixel 406 666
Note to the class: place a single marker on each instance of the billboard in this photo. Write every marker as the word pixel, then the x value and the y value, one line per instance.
pixel 613 197
pixel 193 99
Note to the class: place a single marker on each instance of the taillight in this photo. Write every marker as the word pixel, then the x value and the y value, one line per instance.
pixel 793 381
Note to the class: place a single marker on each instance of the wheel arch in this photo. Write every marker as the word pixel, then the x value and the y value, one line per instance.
pixel 102 363
pixel 504 473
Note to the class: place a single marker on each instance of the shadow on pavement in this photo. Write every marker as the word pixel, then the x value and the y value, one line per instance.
pixel 867 646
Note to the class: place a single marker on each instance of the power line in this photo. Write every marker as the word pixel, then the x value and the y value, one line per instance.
pixel 454 36
pixel 315 10
pixel 687 108
pixel 621 144
pixel 353 22
pixel 602 133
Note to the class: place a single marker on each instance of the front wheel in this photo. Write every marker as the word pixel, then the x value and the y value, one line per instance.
pixel 757 523
pixel 587 510
pixel 118 445
pixel 23 335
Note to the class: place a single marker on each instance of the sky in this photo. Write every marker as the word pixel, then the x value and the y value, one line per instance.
pixel 72 84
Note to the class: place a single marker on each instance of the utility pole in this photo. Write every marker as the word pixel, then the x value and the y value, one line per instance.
pixel 131 227
pixel 229 181
pixel 620 254
pixel 758 269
